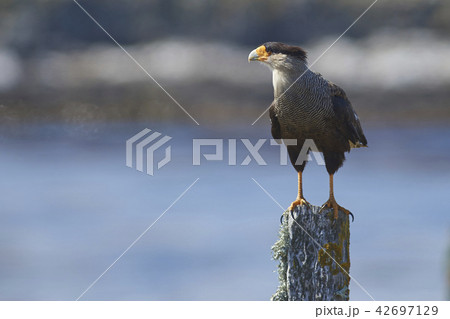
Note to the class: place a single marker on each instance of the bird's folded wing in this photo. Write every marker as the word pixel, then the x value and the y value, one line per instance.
pixel 347 120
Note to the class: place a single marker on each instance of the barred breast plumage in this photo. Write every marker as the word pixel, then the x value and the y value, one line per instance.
pixel 304 108
pixel 307 106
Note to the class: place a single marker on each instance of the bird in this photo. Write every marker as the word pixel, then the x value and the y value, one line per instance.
pixel 306 106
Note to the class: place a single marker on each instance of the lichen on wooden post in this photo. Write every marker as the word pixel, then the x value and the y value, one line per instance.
pixel 313 255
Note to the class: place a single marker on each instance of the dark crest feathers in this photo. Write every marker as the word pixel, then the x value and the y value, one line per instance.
pixel 278 47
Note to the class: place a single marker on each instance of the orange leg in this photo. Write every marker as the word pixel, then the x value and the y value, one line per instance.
pixel 300 199
pixel 331 202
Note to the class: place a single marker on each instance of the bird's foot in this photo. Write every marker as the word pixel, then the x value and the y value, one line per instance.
pixel 298 202
pixel 331 203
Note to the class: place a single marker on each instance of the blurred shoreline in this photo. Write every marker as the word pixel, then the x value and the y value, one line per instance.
pixel 219 105
pixel 392 78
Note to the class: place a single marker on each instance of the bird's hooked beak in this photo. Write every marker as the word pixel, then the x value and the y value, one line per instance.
pixel 259 54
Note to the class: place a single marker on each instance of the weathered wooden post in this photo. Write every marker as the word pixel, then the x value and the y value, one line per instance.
pixel 313 255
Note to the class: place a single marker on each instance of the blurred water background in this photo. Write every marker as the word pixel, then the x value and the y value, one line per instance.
pixel 70 98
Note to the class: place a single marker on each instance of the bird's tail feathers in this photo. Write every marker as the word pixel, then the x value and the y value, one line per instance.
pixel 358 144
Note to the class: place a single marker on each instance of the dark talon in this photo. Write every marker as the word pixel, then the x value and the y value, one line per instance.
pixel 292 215
pixel 281 219
pixel 353 217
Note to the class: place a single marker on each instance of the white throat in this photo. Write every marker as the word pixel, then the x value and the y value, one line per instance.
pixel 281 81
pixel 285 73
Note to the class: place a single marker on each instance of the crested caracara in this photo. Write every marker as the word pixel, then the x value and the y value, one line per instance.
pixel 307 106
